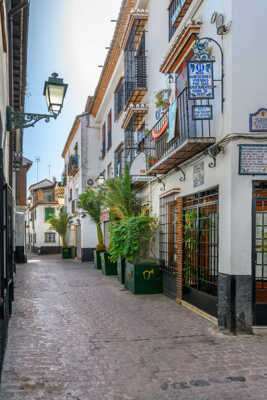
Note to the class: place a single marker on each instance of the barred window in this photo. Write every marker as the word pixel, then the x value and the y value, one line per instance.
pixel 103 153
pixel 50 237
pixel 109 129
pixel 119 99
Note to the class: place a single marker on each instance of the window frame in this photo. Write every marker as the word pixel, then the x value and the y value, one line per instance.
pixel 103 150
pixel 50 237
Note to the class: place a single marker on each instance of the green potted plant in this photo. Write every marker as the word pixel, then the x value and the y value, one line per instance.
pixel 60 224
pixel 92 202
pixel 162 98
pixel 122 203
pixel 132 239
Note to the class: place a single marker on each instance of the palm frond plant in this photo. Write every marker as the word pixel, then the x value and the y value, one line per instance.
pixel 92 202
pixel 121 200
pixel 59 224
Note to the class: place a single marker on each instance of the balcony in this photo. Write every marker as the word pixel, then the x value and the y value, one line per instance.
pixel 191 137
pixel 177 10
pixel 135 83
pixel 73 165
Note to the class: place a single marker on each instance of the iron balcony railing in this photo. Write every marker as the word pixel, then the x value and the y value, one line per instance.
pixel 177 9
pixel 135 70
pixel 73 165
pixel 186 128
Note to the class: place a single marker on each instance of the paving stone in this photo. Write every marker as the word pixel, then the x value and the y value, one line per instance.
pixel 78 335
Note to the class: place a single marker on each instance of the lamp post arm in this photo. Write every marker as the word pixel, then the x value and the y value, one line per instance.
pixel 19 120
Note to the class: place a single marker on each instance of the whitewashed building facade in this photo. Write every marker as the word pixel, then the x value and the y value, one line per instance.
pixel 46 201
pixel 204 178
pixel 80 161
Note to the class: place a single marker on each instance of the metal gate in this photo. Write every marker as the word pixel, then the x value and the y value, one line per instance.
pixel 200 250
pixel 168 243
pixel 6 257
pixel 259 256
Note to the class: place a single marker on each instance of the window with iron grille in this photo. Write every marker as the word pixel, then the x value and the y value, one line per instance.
pixel 109 129
pixel 201 234
pixel 48 196
pixel 70 196
pixel 118 162
pixel 103 151
pixel 109 171
pixel 134 64
pixel 73 206
pixel 119 99
pixel 50 237
pixel 168 232
pixel 177 10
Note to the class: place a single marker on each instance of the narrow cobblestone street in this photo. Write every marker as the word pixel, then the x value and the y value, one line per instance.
pixel 78 335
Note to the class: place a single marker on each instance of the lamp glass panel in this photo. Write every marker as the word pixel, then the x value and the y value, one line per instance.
pixel 54 97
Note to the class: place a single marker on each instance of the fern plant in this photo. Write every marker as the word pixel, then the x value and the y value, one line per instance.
pixel 121 200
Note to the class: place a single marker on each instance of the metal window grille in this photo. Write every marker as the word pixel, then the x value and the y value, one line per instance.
pixel 135 63
pixel 168 232
pixel 50 237
pixel 130 141
pixel 109 129
pixel 73 206
pixel 119 99
pixel 200 243
pixel 118 162
pixel 103 140
pixel 177 10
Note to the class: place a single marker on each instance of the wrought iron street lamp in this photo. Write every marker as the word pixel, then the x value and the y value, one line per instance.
pixel 101 179
pixel 54 91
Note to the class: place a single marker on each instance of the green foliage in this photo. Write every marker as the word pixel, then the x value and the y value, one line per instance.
pixel 120 198
pixel 160 98
pixel 92 201
pixel 132 237
pixel 59 224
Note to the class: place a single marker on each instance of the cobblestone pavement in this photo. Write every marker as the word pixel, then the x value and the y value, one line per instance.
pixel 78 335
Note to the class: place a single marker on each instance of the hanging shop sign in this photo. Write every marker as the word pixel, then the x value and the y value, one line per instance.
pixel 200 80
pixel 258 121
pixel 198 174
pixel 252 159
pixel 142 178
pixel 202 112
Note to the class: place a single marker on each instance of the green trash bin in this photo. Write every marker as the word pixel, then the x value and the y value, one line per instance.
pixel 66 252
pixel 121 269
pixel 108 267
pixel 97 258
pixel 144 278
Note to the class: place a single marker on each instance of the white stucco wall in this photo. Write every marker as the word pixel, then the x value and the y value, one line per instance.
pixel 41 226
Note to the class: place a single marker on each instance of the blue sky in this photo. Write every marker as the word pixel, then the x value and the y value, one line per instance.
pixel 68 37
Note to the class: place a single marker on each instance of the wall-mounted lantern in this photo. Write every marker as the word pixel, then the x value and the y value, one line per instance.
pixel 54 91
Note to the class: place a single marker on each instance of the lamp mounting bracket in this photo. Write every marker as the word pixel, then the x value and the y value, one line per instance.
pixel 179 169
pixel 19 120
